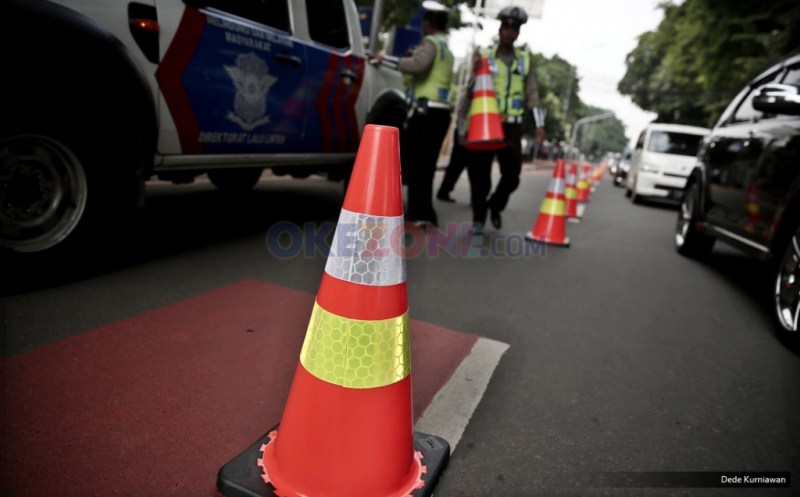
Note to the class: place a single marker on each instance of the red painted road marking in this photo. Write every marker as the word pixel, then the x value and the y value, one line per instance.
pixel 157 403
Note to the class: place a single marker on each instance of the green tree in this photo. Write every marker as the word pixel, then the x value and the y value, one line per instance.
pixel 703 52
pixel 607 135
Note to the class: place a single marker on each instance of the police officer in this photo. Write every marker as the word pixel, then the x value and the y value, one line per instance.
pixel 428 71
pixel 516 90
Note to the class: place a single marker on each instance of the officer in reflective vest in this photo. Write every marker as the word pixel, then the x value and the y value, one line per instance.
pixel 429 71
pixel 516 90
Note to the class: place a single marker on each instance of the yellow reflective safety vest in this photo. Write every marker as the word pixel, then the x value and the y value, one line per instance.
pixel 434 84
pixel 509 81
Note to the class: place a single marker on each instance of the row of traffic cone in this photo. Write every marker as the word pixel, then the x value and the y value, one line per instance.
pixel 561 202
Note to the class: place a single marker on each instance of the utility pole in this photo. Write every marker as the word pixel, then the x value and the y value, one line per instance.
pixel 577 124
pixel 565 108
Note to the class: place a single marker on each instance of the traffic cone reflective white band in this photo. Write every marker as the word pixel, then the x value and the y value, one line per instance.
pixel 556 186
pixel 356 354
pixel 483 82
pixel 368 249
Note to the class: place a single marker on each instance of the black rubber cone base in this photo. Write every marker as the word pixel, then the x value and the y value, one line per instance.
pixel 529 237
pixel 242 476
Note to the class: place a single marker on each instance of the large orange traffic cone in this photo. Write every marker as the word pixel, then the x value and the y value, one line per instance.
pixel 583 184
pixel 571 192
pixel 551 225
pixel 485 127
pixel 347 426
pixel 587 168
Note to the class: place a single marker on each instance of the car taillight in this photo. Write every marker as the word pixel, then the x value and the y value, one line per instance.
pixel 143 22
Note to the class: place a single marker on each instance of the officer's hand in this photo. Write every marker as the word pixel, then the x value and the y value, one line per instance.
pixel 376 58
pixel 539 135
pixel 477 60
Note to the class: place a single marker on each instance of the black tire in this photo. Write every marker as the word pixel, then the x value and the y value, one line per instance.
pixel 43 192
pixel 688 241
pixel 785 277
pixel 628 192
pixel 235 180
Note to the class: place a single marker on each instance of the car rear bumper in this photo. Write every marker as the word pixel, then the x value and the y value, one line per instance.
pixel 659 185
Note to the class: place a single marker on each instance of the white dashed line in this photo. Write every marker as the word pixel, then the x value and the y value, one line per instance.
pixel 452 406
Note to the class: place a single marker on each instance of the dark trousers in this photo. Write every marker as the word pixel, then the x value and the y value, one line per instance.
pixel 456 166
pixel 479 168
pixel 419 146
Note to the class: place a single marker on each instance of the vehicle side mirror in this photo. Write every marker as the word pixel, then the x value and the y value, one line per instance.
pixel 777 99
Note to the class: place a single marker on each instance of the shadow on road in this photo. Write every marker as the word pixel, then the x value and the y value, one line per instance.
pixel 175 219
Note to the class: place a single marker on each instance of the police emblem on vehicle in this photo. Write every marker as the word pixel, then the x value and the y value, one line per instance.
pixel 252 80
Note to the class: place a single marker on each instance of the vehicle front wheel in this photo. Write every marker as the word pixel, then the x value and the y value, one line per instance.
pixel 688 241
pixel 235 180
pixel 787 283
pixel 43 192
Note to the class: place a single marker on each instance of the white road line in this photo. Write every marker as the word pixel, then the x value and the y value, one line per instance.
pixel 452 406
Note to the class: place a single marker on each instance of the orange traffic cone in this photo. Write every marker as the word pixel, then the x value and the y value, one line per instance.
pixel 485 127
pixel 571 192
pixel 551 225
pixel 751 210
pixel 583 184
pixel 347 426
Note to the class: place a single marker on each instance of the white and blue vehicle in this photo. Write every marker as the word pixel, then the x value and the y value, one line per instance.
pixel 106 94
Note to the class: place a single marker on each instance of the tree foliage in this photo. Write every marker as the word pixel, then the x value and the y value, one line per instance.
pixel 703 52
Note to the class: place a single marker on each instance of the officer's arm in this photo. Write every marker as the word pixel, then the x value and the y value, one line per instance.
pixel 532 99
pixel 421 61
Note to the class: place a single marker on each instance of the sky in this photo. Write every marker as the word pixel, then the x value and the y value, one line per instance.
pixel 595 36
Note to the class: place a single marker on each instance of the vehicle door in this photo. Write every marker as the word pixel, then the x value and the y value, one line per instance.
pixel 774 161
pixel 731 157
pixel 231 78
pixel 636 158
pixel 336 73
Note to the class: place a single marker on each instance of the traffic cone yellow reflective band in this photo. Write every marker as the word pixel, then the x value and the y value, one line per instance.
pixel 354 353
pixel 553 207
pixel 483 105
pixel 571 193
pixel 751 207
pixel 582 185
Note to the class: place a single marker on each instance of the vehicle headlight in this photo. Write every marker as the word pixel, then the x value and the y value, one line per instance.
pixel 647 168
pixel 626 167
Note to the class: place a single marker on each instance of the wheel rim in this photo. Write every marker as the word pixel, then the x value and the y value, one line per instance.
pixel 684 218
pixel 42 193
pixel 787 285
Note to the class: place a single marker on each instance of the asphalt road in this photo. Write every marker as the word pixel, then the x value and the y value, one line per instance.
pixel 624 356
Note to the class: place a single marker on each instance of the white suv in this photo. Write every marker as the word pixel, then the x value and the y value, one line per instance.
pixel 664 156
pixel 101 95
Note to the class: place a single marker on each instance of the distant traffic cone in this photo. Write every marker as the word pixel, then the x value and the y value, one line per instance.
pixel 751 210
pixel 485 127
pixel 347 428
pixel 587 170
pixel 551 225
pixel 583 184
pixel 571 192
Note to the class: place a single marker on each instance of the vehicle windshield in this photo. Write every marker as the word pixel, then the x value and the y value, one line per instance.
pixel 665 142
